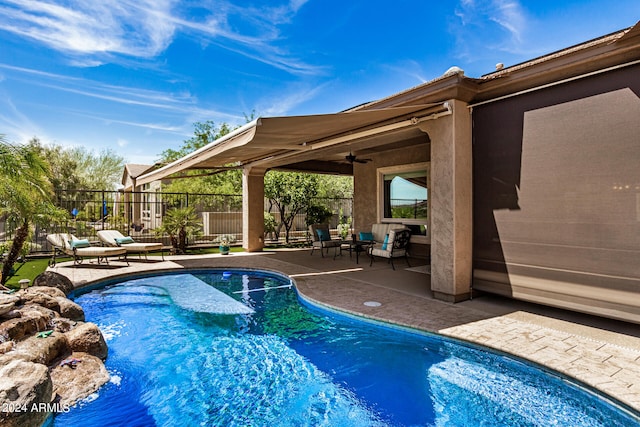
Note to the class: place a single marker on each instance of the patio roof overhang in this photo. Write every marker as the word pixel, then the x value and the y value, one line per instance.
pixel 275 142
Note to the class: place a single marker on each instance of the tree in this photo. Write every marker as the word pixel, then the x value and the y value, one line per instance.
pixel 290 192
pixel 62 167
pixel 25 196
pixel 335 187
pixel 100 171
pixel 227 182
pixel 79 168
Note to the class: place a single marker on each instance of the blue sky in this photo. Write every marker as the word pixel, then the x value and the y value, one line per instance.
pixel 134 76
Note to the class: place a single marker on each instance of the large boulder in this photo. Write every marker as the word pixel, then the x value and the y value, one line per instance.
pixel 19 328
pixel 87 338
pixel 77 377
pixel 23 385
pixel 70 310
pixel 54 280
pixel 51 291
pixel 40 298
pixel 26 320
pixel 44 349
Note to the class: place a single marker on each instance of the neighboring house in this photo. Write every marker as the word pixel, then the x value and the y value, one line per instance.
pixel 523 182
pixel 142 203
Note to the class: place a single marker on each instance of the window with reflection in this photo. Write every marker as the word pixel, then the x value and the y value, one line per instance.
pixel 404 194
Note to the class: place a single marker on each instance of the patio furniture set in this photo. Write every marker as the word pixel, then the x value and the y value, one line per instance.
pixel 386 240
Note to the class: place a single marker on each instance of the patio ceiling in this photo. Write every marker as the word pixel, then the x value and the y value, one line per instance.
pixel 314 143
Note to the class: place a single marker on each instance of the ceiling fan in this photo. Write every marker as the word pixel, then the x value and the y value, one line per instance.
pixel 351 158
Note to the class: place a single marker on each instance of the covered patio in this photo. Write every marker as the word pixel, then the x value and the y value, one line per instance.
pixel 428 141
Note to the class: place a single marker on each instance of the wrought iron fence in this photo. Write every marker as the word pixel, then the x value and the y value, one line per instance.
pixel 140 214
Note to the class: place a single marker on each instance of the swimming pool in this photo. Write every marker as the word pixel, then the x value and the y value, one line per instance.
pixel 224 348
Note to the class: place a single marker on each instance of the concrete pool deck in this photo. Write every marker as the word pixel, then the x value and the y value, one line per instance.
pixel 602 353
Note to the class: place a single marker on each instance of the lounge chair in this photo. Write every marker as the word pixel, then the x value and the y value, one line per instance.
pixel 69 244
pixel 114 238
pixel 394 246
pixel 322 239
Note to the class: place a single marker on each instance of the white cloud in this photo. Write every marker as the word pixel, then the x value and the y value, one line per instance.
pixel 92 89
pixel 489 26
pixel 79 27
pixel 94 32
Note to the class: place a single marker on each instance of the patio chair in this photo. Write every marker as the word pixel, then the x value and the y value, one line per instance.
pixel 114 238
pixel 64 243
pixel 322 239
pixel 395 246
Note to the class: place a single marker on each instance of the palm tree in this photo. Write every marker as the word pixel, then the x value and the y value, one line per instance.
pixel 179 223
pixel 25 196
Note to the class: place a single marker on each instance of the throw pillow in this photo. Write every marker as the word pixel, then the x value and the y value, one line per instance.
pixel 366 236
pixel 81 243
pixel 124 240
pixel 385 243
pixel 323 235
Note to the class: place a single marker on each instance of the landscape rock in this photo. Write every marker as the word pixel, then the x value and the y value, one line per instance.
pixel 11 314
pixel 41 299
pixel 44 350
pixel 6 346
pixel 26 320
pixel 77 377
pixel 70 309
pixel 87 338
pixel 54 280
pixel 19 328
pixel 61 324
pixel 23 384
pixel 47 290
pixel 45 345
pixel 7 302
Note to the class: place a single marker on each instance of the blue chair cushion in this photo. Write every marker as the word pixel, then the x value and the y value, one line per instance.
pixel 366 236
pixel 385 243
pixel 124 240
pixel 81 243
pixel 323 235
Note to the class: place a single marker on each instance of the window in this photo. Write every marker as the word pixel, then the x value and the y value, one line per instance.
pixel 403 193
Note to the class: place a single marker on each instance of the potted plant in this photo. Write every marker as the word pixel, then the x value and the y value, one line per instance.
pixel 345 226
pixel 224 247
pixel 224 241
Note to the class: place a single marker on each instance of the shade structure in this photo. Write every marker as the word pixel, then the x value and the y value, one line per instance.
pixel 271 137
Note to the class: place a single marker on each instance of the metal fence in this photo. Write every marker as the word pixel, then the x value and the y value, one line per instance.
pixel 140 214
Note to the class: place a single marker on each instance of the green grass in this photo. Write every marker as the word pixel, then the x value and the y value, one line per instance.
pixel 28 270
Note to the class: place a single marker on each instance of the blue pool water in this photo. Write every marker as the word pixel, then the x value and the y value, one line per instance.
pixel 239 349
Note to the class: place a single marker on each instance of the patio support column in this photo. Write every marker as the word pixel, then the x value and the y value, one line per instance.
pixel 451 203
pixel 253 208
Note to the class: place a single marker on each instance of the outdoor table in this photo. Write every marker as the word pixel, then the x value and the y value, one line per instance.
pixel 356 246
